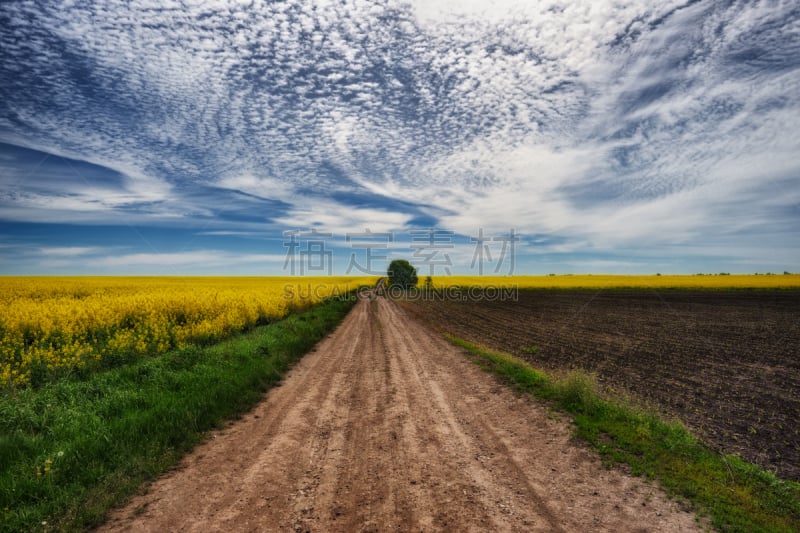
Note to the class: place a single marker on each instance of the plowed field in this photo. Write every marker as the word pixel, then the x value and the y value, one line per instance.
pixel 727 363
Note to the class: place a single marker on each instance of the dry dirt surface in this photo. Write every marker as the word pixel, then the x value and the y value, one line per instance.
pixel 388 427
pixel 725 362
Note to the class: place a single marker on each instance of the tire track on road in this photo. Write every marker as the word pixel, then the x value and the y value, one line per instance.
pixel 388 427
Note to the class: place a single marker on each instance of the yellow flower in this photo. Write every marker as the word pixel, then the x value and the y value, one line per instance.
pixel 70 323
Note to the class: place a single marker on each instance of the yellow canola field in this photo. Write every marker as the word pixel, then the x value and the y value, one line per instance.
pixel 53 325
pixel 600 281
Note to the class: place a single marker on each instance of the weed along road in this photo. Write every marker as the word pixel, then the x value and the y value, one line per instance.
pixel 388 427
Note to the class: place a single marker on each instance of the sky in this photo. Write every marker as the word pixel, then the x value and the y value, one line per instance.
pixel 469 136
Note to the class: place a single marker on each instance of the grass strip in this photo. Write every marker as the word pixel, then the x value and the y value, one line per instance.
pixel 734 494
pixel 73 449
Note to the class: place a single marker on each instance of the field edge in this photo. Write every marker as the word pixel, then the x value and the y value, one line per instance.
pixel 75 449
pixel 734 494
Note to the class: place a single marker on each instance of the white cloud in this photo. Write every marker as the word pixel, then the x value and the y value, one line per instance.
pixel 333 217
pixel 69 251
pixel 608 125
pixel 263 187
pixel 207 258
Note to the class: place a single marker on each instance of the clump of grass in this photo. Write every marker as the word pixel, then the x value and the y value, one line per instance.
pixel 72 449
pixel 736 495
pixel 577 392
pixel 531 350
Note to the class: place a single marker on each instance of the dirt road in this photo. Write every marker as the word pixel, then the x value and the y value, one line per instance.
pixel 387 427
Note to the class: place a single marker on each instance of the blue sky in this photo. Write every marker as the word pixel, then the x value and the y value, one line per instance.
pixel 158 137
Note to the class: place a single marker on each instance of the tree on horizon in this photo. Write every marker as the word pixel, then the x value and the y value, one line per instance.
pixel 402 274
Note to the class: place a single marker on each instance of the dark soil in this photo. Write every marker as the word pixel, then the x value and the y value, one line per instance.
pixel 726 363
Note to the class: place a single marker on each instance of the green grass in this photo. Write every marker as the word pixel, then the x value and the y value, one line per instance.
pixel 73 449
pixel 735 495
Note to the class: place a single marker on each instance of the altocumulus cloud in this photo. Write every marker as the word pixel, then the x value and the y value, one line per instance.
pixel 621 135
